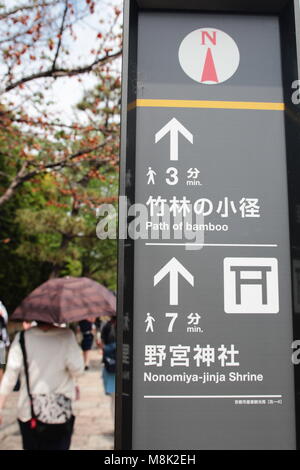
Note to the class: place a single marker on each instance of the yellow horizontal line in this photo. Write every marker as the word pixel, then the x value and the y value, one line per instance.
pixel 148 103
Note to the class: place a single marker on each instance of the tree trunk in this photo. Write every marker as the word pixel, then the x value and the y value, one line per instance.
pixel 16 182
pixel 57 267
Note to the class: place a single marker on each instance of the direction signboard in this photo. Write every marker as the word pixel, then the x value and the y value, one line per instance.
pixel 205 284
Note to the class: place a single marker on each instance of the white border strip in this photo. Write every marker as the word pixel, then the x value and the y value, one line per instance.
pixel 212 396
pixel 212 244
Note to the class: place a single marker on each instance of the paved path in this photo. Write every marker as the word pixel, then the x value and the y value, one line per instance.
pixel 94 423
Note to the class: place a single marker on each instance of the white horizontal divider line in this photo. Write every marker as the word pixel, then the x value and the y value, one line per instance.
pixel 212 396
pixel 213 244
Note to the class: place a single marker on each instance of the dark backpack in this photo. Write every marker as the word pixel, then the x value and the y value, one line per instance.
pixel 110 358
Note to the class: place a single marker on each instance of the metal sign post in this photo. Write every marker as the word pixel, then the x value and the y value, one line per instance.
pixel 208 216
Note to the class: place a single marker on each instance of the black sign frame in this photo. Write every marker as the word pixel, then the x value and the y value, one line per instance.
pixel 289 15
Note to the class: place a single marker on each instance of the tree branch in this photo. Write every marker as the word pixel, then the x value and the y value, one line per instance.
pixel 73 127
pixel 62 163
pixel 3 16
pixel 23 176
pixel 14 184
pixel 60 72
pixel 60 34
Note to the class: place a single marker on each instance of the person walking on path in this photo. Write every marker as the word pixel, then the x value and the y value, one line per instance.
pixel 108 344
pixel 48 359
pixel 86 328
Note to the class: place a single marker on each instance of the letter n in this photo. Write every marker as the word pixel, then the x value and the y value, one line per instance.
pixel 212 37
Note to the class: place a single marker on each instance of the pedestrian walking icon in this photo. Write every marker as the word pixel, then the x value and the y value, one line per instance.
pixel 149 323
pixel 209 56
pixel 151 176
pixel 251 285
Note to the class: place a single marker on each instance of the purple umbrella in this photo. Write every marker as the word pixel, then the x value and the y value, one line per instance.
pixel 65 300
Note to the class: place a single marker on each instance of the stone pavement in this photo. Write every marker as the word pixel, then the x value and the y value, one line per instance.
pixel 94 423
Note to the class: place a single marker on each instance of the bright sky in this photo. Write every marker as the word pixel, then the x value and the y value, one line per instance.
pixel 67 92
pixel 64 93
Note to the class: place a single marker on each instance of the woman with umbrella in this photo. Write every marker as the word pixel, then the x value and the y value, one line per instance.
pixel 48 359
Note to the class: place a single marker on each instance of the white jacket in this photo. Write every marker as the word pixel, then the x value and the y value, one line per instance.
pixel 3 312
pixel 54 360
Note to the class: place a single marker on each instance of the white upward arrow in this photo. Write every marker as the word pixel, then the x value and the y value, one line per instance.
pixel 174 268
pixel 173 127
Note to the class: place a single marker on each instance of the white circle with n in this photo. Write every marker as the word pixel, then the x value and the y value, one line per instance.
pixel 209 56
